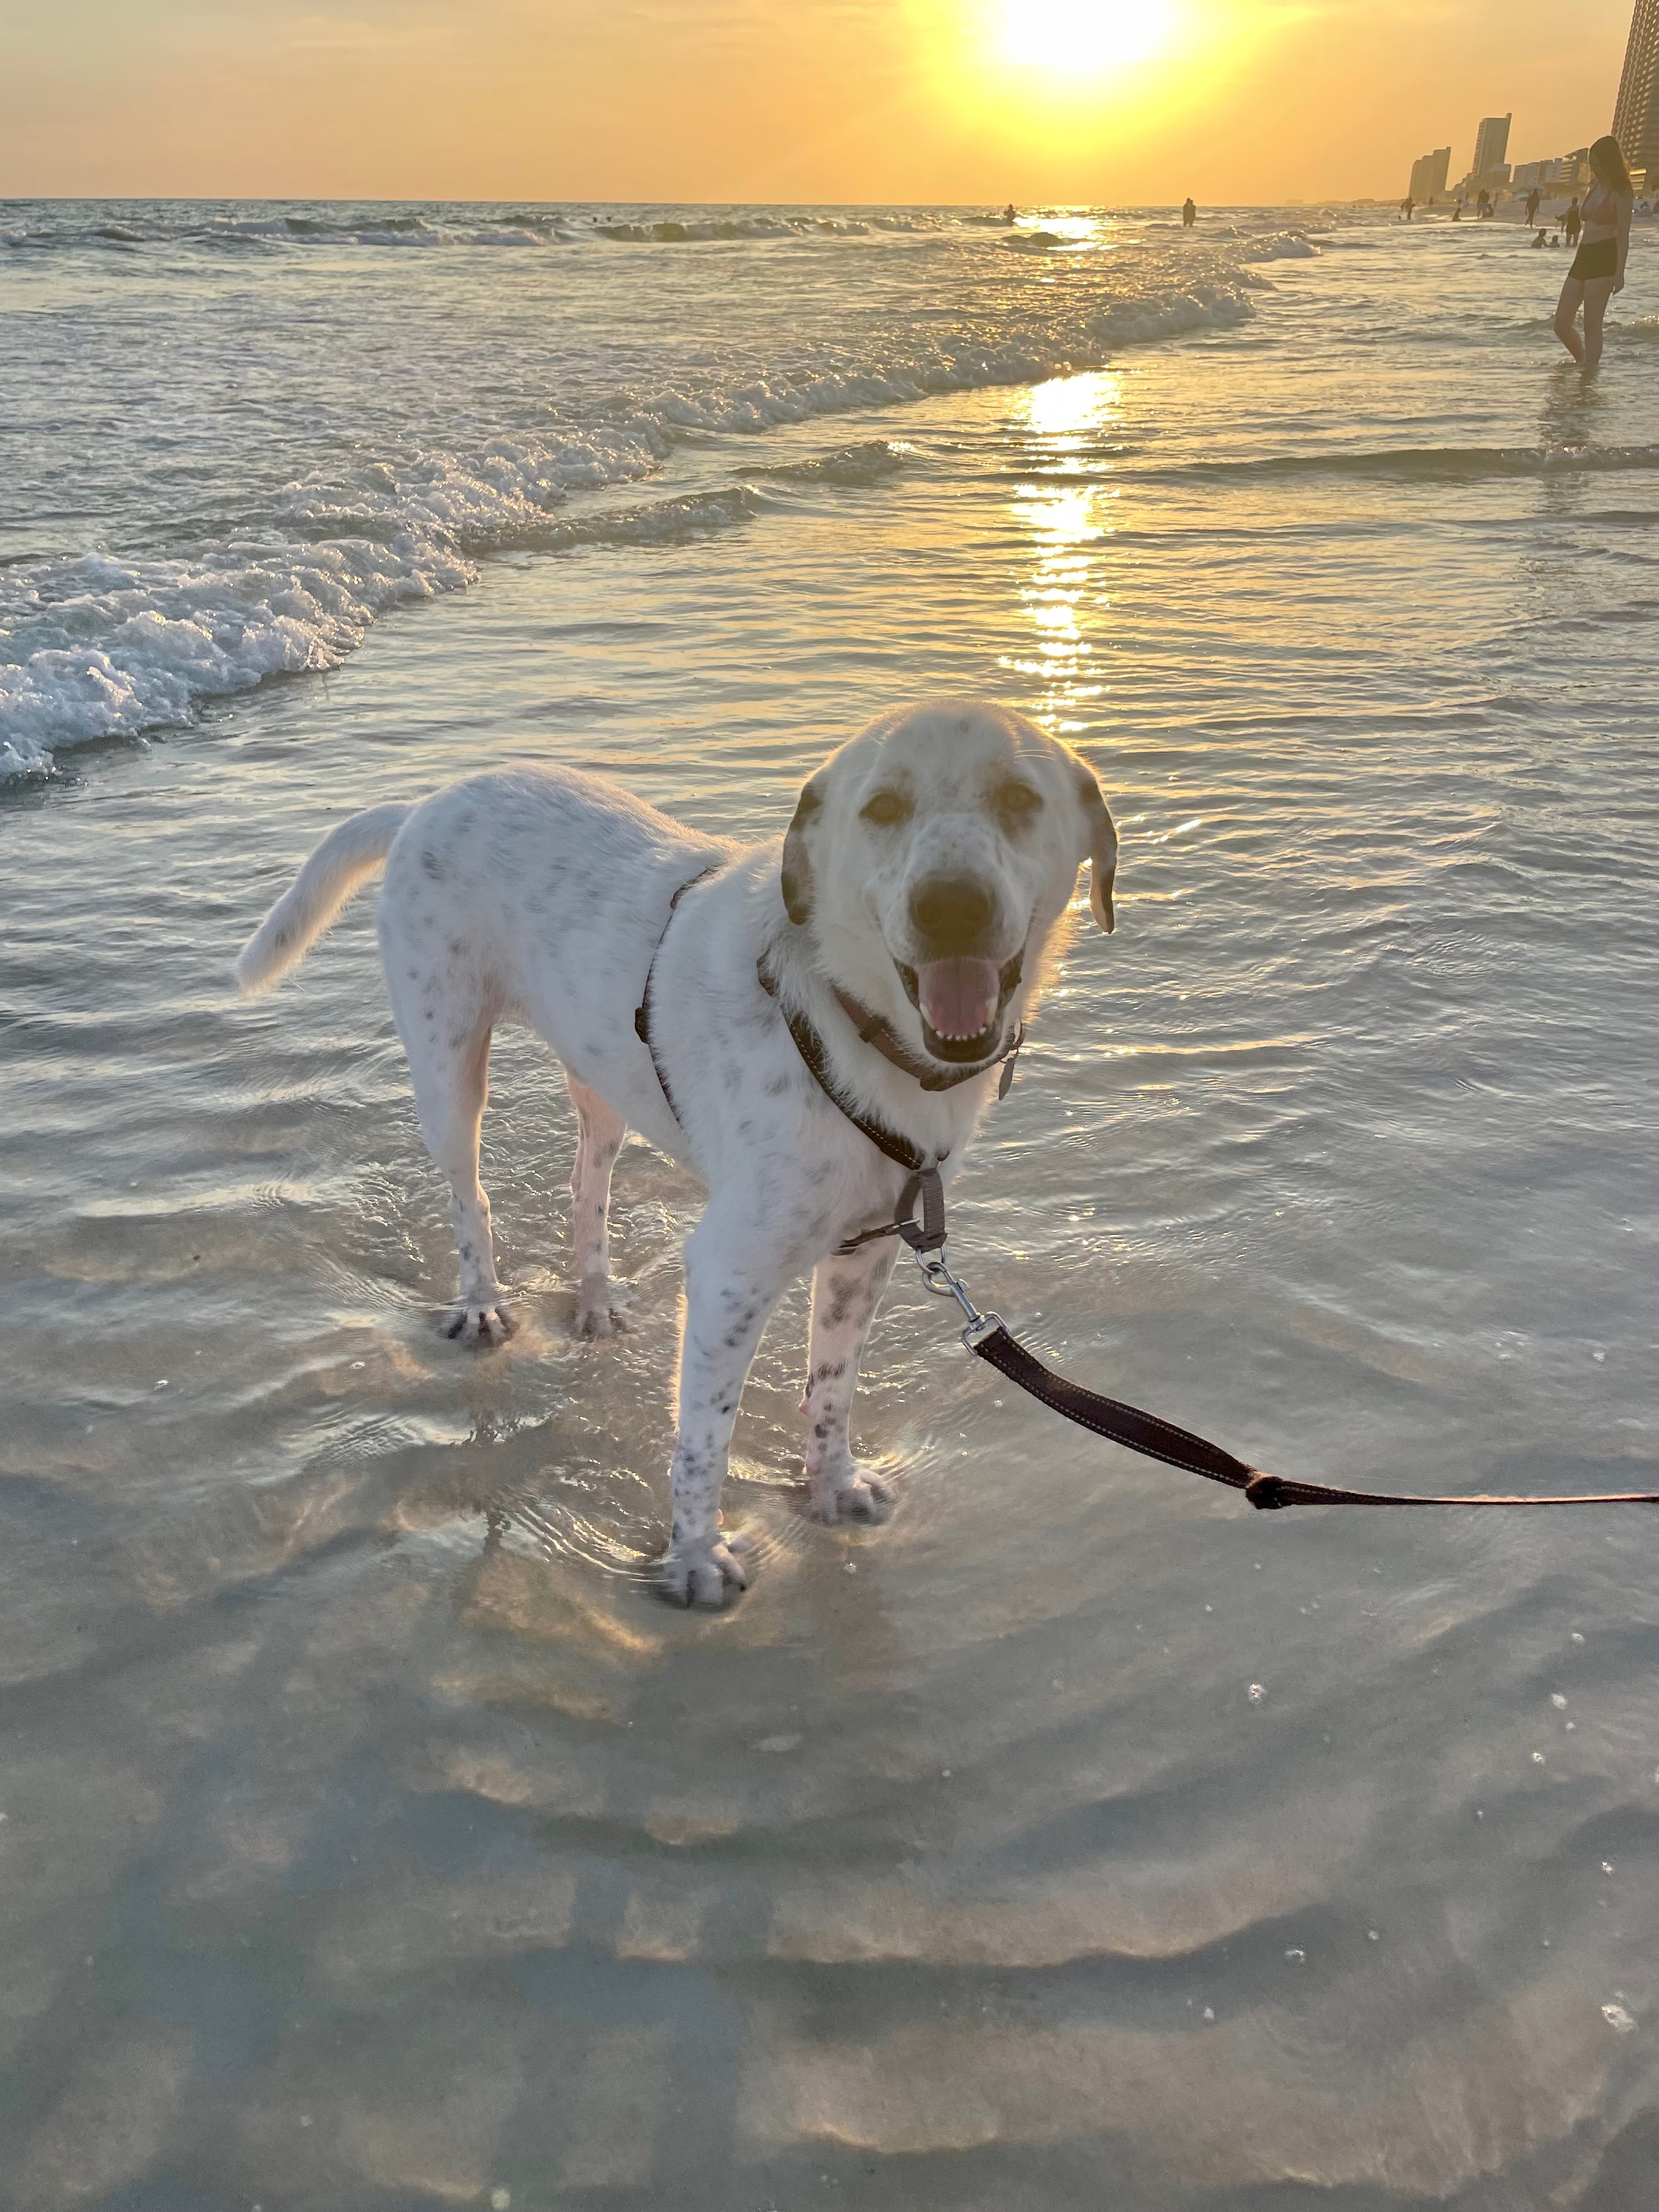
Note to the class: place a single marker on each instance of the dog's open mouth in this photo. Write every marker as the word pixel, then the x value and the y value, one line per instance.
pixel 961 1003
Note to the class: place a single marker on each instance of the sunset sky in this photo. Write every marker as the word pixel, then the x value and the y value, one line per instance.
pixel 788 100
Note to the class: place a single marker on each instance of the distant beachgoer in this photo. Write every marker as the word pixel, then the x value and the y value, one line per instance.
pixel 1188 215
pixel 1457 212
pixel 1532 206
pixel 1483 203
pixel 1541 238
pixel 1008 214
pixel 1573 223
pixel 1407 205
pixel 1598 267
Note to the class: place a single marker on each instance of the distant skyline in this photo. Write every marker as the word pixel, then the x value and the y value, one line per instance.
pixel 963 100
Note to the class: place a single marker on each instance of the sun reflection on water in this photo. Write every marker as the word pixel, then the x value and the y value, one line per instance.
pixel 1065 434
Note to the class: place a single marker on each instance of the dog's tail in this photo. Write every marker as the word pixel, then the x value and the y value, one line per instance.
pixel 311 901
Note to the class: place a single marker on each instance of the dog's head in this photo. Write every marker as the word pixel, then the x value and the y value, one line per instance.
pixel 931 858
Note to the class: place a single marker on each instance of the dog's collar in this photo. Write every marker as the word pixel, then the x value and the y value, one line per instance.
pixel 878 1032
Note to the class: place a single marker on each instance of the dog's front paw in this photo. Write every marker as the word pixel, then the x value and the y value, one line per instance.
pixel 848 1492
pixel 598 1309
pixel 488 1322
pixel 701 1574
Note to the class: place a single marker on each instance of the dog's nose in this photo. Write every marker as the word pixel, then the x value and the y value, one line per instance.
pixel 953 913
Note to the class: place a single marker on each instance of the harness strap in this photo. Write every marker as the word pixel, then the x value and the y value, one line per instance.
pixel 642 1011
pixel 813 1049
pixel 988 1337
pixel 927 1235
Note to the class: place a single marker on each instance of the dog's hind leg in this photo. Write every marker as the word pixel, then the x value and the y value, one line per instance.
pixel 846 1290
pixel 451 1084
pixel 599 1133
pixel 445 1006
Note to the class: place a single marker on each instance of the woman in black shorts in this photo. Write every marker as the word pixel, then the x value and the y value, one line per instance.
pixel 1598 267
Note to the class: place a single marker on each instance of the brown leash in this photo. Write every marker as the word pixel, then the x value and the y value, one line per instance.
pixel 988 1338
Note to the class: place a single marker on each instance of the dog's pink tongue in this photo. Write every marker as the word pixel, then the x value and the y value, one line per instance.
pixel 958 998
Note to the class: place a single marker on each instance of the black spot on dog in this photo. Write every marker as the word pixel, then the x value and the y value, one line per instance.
pixel 777 1086
pixel 432 866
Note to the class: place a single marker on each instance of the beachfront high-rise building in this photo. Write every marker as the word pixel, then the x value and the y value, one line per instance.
pixel 1491 144
pixel 1636 118
pixel 1429 173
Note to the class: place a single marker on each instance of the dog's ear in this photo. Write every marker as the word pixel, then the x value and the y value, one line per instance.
pixel 797 873
pixel 1101 849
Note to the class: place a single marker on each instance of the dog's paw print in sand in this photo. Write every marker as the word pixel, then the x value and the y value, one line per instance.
pixel 484 1325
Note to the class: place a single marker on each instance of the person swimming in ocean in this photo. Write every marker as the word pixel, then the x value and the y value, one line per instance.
pixel 1008 214
pixel 1189 214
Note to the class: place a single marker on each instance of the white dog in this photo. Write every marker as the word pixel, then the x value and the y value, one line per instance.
pixel 814 1022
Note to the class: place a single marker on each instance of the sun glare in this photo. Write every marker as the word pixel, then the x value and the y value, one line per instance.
pixel 1081 38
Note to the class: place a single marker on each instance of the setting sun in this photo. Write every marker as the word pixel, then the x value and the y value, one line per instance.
pixel 1081 38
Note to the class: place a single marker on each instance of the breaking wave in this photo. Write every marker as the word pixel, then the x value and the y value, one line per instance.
pixel 111 643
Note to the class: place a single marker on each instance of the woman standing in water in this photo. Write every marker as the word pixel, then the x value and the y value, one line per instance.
pixel 1598 267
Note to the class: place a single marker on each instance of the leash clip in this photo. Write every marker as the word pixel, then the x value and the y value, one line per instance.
pixel 936 1275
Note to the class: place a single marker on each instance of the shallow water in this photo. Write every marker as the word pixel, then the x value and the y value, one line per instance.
pixel 372 1837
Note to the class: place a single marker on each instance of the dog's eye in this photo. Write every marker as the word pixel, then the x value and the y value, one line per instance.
pixel 886 808
pixel 1018 802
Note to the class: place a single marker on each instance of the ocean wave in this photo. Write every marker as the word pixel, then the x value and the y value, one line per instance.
pixel 525 226
pixel 1281 246
pixel 140 646
pixel 697 231
pixel 96 647
pixel 867 463
pixel 1421 464
pixel 564 225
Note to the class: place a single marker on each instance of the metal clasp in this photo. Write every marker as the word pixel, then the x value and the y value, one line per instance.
pixel 936 1275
